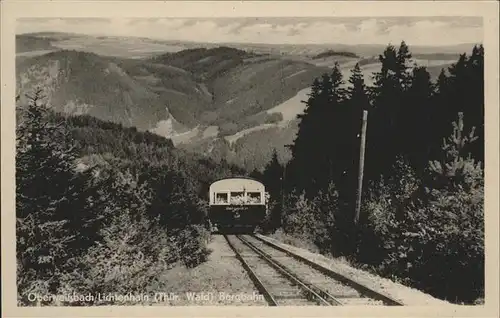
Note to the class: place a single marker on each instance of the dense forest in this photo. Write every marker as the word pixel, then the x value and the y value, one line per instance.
pixel 422 213
pixel 329 53
pixel 101 207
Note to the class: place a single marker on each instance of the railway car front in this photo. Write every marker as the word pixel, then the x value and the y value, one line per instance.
pixel 237 204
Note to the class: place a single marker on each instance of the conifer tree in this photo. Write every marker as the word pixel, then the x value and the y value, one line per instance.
pixel 442 81
pixel 415 122
pixel 319 142
pixel 463 91
pixel 56 204
pixel 306 131
pixel 403 68
pixel 383 138
pixel 337 123
pixel 457 168
pixel 357 92
pixel 357 101
pixel 474 109
pixel 273 181
pixel 256 174
pixel 272 175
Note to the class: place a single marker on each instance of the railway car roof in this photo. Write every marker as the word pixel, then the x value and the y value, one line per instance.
pixel 236 177
pixel 237 184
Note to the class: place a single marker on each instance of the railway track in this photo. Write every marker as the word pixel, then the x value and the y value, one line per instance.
pixel 284 278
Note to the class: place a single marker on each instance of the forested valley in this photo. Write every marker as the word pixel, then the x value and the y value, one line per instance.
pixel 101 207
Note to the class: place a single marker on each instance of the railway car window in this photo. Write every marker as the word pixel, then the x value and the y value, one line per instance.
pixel 221 198
pixel 237 198
pixel 253 197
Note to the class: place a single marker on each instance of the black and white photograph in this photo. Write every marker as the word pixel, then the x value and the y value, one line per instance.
pixel 259 161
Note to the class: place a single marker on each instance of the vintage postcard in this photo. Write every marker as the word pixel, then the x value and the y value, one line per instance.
pixel 222 158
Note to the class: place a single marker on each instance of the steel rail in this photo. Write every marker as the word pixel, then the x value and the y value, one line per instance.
pixel 365 290
pixel 257 282
pixel 317 294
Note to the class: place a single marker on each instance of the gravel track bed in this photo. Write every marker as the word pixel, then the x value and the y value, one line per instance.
pixel 222 273
pixel 282 290
pixel 343 293
pixel 406 295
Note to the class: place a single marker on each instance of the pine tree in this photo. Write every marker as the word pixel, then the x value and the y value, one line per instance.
pixel 403 68
pixel 415 124
pixel 462 91
pixel 307 129
pixel 256 174
pixel 383 137
pixel 56 204
pixel 474 109
pixel 357 101
pixel 357 92
pixel 457 167
pixel 318 136
pixel 442 81
pixel 337 123
pixel 273 181
pixel 174 198
pixel 338 92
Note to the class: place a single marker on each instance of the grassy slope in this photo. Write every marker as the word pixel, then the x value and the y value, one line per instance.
pixel 239 86
pixel 256 87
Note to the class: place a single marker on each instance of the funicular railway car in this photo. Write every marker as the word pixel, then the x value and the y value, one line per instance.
pixel 236 204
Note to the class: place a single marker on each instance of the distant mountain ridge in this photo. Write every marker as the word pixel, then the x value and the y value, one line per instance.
pixel 260 48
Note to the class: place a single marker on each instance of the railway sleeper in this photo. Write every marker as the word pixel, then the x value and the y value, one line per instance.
pixel 362 289
pixel 314 293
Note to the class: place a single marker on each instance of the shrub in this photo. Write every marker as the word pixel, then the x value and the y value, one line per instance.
pixel 319 221
pixel 384 211
pixel 269 222
pixel 328 229
pixel 274 118
pixel 228 128
pixel 126 260
pixel 431 235
pixel 299 217
pixel 191 244
pixel 448 228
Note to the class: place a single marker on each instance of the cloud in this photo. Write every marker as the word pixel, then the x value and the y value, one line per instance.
pixel 416 31
pixel 434 32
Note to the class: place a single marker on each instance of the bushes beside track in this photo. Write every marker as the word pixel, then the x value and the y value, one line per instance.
pixel 426 232
pixel 100 208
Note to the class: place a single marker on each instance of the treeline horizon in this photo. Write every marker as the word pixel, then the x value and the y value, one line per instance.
pixel 408 116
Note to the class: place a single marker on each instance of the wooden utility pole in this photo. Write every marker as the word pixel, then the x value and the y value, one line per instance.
pixel 361 166
pixel 283 180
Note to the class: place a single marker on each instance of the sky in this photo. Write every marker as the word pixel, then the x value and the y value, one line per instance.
pixel 426 31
